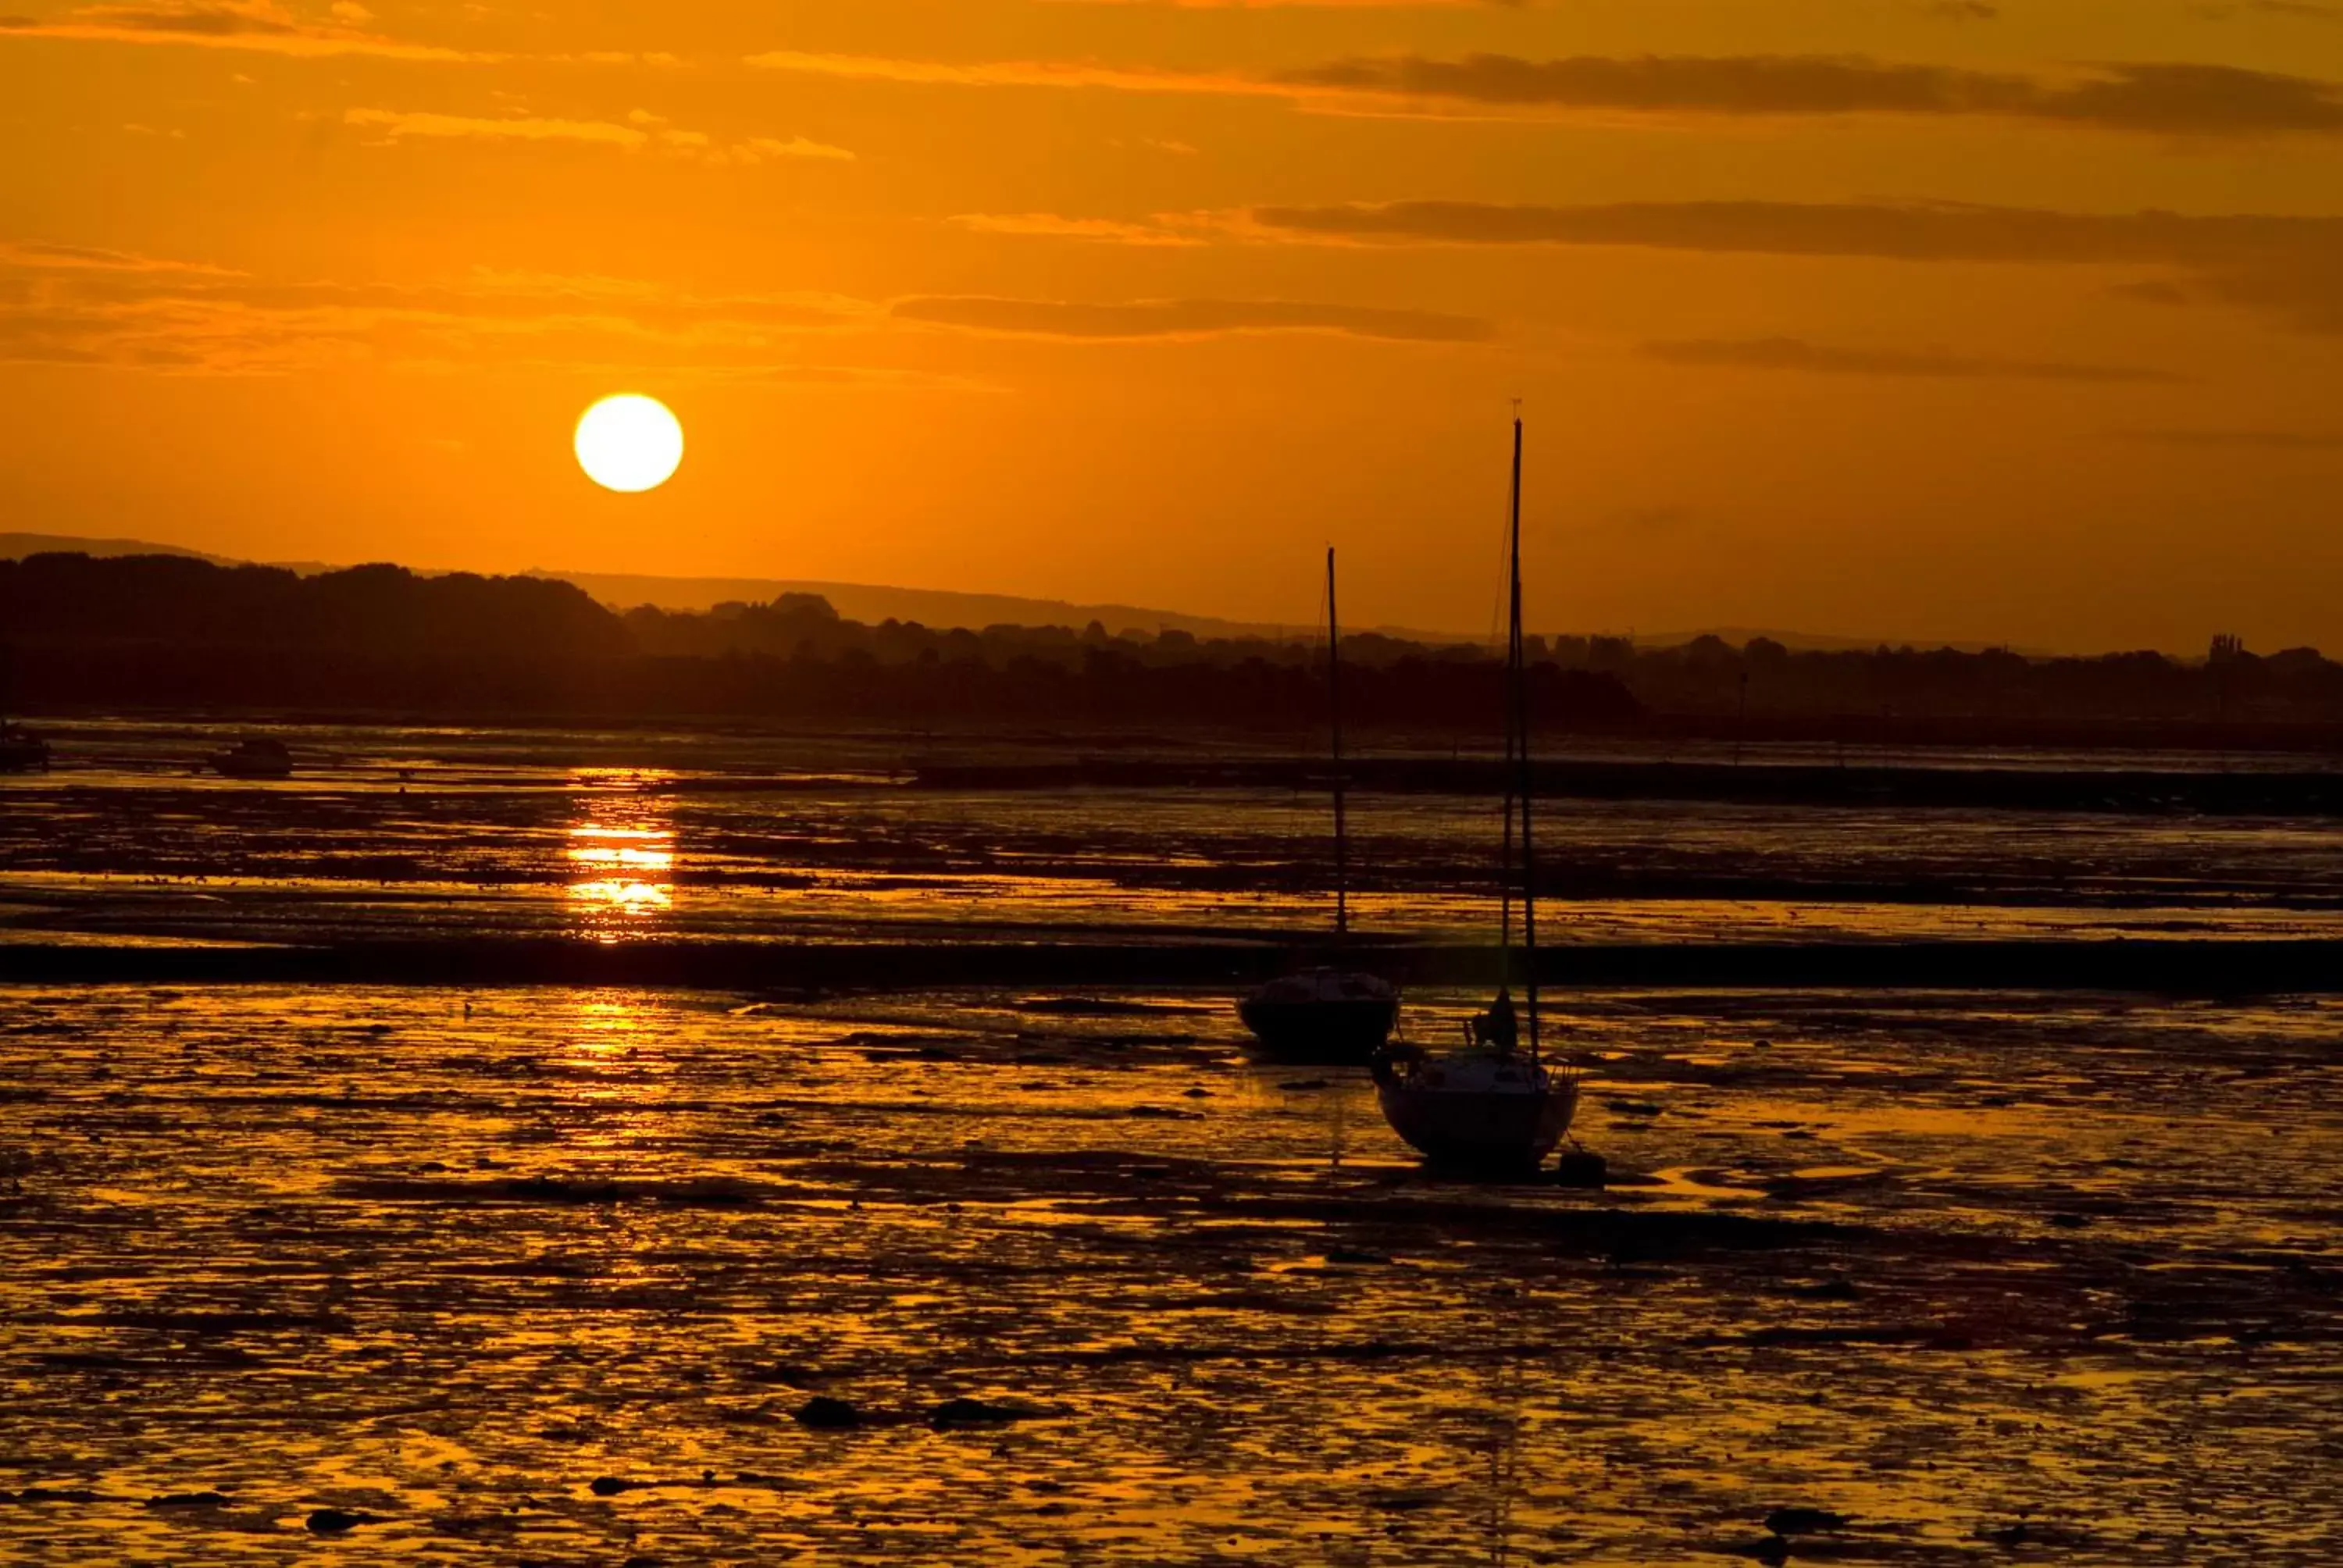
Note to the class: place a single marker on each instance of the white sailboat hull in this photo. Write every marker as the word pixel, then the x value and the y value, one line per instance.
pixel 1472 1111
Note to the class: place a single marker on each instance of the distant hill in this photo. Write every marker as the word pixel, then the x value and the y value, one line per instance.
pixel 940 607
pixel 937 608
pixel 866 602
pixel 17 546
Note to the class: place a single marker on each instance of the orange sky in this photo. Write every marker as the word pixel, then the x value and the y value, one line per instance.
pixel 2016 320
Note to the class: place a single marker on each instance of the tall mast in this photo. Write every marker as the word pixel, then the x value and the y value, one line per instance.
pixel 1334 713
pixel 1506 858
pixel 1518 735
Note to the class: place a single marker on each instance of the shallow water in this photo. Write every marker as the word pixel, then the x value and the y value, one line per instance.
pixel 2002 1277
pixel 744 836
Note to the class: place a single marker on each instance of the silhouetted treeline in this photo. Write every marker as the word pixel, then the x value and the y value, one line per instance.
pixel 174 601
pixel 1709 678
pixel 169 632
pixel 164 631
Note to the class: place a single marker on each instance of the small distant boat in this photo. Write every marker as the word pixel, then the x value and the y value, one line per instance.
pixel 1326 1014
pixel 21 750
pixel 1491 1104
pixel 254 756
pixel 1323 1014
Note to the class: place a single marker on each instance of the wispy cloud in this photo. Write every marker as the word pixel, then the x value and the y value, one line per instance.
pixel 396 124
pixel 1009 73
pixel 660 59
pixel 1160 231
pixel 2175 99
pixel 1915 231
pixel 642 131
pixel 66 306
pixel 1798 354
pixel 2181 98
pixel 34 257
pixel 259 26
pixel 1187 319
pixel 1205 227
pixel 2289 269
pixel 756 149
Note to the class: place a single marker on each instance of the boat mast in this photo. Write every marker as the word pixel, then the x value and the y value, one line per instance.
pixel 1505 772
pixel 1334 713
pixel 1518 739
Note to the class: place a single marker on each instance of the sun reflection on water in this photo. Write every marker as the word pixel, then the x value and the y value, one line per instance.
pixel 606 1026
pixel 621 857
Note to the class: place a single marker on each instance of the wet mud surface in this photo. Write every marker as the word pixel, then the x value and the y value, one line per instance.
pixel 603 1277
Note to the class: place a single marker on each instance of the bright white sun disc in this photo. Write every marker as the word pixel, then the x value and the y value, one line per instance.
pixel 630 442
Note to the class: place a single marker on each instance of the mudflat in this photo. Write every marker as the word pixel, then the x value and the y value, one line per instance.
pixel 596 1275
pixel 696 1146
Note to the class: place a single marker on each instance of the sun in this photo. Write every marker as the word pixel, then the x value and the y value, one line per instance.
pixel 630 442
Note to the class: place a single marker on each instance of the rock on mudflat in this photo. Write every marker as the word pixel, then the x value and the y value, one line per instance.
pixel 1581 1168
pixel 967 1411
pixel 1803 1521
pixel 827 1414
pixel 334 1522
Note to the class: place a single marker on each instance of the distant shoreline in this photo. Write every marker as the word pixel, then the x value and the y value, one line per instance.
pixel 2178 967
pixel 1847 749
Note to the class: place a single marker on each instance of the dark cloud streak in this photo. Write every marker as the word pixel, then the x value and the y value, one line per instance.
pixel 2176 99
pixel 1796 354
pixel 1187 318
pixel 1909 231
pixel 2289 269
pixel 215 21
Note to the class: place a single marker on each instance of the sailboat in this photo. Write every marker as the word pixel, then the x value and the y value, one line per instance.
pixel 21 750
pixel 1494 1103
pixel 1326 1014
pixel 253 756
